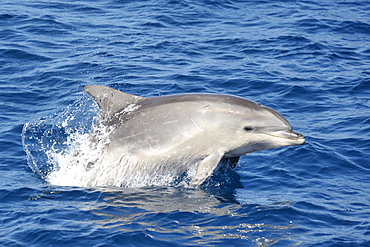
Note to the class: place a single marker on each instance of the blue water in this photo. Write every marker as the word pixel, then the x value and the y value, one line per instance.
pixel 308 60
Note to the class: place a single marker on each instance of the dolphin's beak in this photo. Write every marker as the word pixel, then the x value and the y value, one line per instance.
pixel 290 135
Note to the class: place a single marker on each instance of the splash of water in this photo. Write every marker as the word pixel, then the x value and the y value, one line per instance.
pixel 55 143
pixel 69 149
pixel 73 165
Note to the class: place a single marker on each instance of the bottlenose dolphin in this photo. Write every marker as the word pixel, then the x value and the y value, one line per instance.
pixel 184 131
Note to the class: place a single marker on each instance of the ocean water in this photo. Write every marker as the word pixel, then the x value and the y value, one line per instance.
pixel 308 60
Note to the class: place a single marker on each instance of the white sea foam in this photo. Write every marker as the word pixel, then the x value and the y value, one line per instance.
pixel 72 165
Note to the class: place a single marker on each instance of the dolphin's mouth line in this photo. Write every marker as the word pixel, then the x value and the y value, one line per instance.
pixel 289 135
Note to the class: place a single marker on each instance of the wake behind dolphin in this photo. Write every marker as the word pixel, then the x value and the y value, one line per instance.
pixel 156 140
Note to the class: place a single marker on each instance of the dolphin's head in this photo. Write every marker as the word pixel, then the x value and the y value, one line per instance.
pixel 257 128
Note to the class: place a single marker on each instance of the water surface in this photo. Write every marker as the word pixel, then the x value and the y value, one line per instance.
pixel 308 60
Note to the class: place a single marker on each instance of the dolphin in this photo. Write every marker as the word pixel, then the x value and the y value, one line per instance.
pixel 186 133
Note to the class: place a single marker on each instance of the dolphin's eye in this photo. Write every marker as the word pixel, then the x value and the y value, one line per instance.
pixel 248 128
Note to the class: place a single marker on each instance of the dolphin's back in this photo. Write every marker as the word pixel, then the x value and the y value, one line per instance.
pixel 112 103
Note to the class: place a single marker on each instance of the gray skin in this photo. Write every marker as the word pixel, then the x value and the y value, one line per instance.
pixel 188 129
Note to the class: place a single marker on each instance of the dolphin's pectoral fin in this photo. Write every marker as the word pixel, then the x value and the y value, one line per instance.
pixel 205 169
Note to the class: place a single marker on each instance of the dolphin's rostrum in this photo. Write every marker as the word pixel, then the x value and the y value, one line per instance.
pixel 186 132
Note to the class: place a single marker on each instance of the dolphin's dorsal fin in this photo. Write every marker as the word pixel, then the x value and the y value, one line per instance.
pixel 111 101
